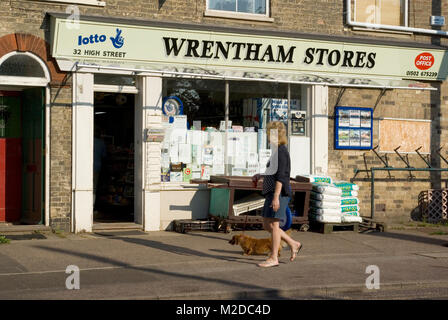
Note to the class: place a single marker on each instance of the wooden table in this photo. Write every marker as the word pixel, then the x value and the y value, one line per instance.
pixel 237 185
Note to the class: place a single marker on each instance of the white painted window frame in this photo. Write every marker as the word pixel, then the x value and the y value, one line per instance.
pixel 404 9
pixel 239 15
pixel 96 3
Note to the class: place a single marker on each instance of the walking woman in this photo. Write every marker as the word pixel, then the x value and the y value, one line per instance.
pixel 277 192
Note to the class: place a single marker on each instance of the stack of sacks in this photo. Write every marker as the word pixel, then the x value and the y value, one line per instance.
pixel 318 179
pixel 325 203
pixel 349 201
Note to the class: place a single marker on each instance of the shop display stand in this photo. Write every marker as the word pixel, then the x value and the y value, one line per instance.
pixel 235 188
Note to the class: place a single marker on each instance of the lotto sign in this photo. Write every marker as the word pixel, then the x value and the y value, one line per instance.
pixel 187 175
pixel 424 61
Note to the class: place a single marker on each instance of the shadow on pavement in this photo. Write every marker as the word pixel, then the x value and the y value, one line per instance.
pixel 226 238
pixel 181 250
pixel 410 237
pixel 273 293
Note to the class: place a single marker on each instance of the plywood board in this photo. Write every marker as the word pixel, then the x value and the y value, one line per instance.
pixel 409 134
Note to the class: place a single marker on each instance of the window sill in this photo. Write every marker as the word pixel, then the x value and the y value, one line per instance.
pixel 95 3
pixel 181 186
pixel 385 31
pixel 237 15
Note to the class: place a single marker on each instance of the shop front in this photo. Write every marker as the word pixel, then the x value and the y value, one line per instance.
pixel 156 106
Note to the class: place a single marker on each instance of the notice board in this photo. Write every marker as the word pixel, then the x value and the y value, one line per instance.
pixel 408 134
pixel 353 128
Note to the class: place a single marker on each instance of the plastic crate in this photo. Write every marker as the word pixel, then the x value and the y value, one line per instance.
pixel 433 205
pixel 186 225
pixel 252 202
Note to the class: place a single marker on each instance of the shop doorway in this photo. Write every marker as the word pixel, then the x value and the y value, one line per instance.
pixel 22 156
pixel 113 168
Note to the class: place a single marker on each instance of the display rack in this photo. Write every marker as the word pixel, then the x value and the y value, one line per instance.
pixel 231 189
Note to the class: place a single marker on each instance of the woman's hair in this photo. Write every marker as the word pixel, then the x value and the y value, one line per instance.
pixel 281 130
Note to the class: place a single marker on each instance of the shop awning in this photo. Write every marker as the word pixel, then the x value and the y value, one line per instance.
pixel 332 80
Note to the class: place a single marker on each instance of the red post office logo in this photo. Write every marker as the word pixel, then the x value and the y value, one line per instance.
pixel 187 172
pixel 424 61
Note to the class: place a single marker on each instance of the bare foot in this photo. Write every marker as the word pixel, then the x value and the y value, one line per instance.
pixel 295 250
pixel 268 263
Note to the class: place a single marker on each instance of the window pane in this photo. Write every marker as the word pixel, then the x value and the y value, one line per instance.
pixel 387 12
pixel 252 6
pixel 245 6
pixel 21 65
pixel 365 11
pixel 391 12
pixel 114 79
pixel 225 5
pixel 253 104
pixel 193 147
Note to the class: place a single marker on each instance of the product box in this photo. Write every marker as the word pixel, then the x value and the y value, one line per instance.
pixel 187 175
pixel 205 173
pixel 176 176
pixel 165 175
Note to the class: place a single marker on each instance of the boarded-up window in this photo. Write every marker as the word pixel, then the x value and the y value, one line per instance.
pixel 386 12
pixel 409 135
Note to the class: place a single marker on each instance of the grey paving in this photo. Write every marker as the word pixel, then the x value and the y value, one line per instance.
pixel 168 265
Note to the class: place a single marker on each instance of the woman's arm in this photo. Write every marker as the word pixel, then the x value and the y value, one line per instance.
pixel 276 200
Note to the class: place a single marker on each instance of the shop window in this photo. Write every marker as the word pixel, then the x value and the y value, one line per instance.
pixel 21 65
pixel 242 6
pixel 385 12
pixel 196 143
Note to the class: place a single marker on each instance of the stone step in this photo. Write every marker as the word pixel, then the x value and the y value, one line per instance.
pixel 7 228
pixel 116 226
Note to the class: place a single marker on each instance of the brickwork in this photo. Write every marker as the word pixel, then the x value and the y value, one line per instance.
pixel 61 157
pixel 309 16
pixel 397 196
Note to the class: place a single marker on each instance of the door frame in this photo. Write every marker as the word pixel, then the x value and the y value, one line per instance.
pixel 29 82
pixel 82 147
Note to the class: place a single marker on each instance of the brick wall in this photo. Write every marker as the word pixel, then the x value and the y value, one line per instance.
pixel 310 16
pixel 61 157
pixel 398 196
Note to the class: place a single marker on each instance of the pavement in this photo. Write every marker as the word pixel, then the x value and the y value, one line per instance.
pixel 412 263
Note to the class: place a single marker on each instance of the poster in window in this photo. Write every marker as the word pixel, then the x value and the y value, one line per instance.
pixel 366 137
pixel 344 118
pixel 355 138
pixel 279 110
pixel 344 137
pixel 353 128
pixel 355 118
pixel 366 119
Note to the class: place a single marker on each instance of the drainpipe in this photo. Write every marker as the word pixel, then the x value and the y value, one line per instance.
pixel 386 27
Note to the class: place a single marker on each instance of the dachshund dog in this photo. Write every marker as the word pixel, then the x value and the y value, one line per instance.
pixel 254 246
